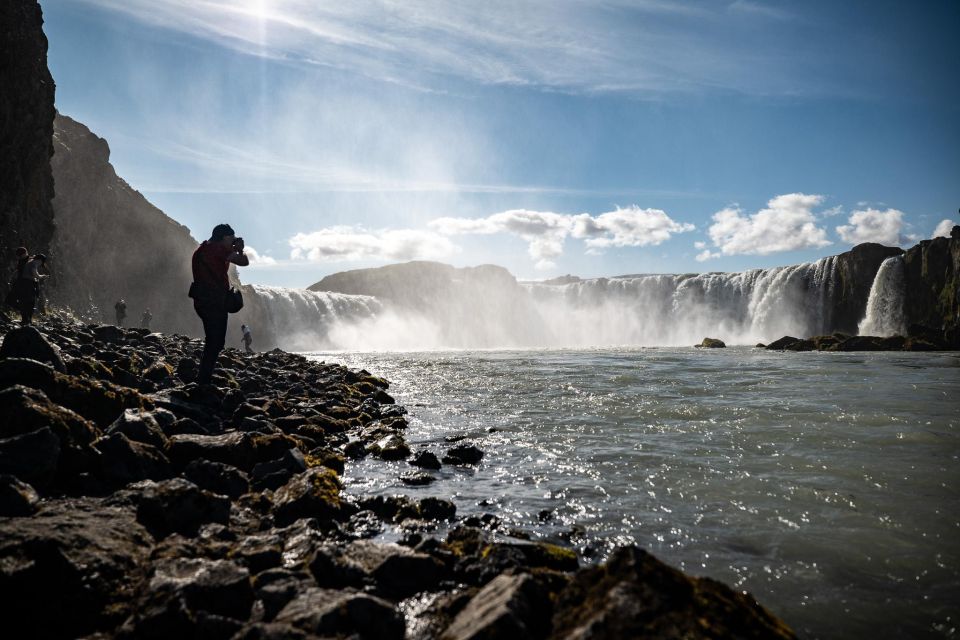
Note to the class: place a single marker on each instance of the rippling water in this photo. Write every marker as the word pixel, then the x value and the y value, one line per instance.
pixel 826 484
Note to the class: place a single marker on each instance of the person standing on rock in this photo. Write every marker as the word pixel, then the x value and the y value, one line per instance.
pixel 247 338
pixel 121 310
pixel 210 263
pixel 145 319
pixel 26 287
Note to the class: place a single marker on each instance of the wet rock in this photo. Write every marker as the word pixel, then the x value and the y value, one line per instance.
pixel 277 587
pixel 31 457
pixel 396 571
pixel 124 461
pixel 782 343
pixel 391 447
pixel 232 448
pixel 509 606
pixel 140 426
pixel 391 508
pixel 437 509
pixel 28 342
pixel 416 478
pixel 463 454
pixel 334 612
pixel 312 494
pixel 178 506
pixel 355 449
pixel 17 499
pixel 363 524
pixel 258 552
pixel 80 554
pixel 711 343
pixel 426 460
pixel 634 595
pixel 321 456
pixel 217 477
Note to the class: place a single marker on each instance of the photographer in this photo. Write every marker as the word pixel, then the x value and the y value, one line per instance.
pixel 210 287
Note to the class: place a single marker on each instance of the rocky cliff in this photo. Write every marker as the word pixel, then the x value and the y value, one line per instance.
pixel 111 243
pixel 26 127
pixel 852 281
pixel 932 273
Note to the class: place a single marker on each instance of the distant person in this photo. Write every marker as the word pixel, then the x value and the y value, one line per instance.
pixel 25 287
pixel 211 284
pixel 12 298
pixel 145 319
pixel 121 310
pixel 247 338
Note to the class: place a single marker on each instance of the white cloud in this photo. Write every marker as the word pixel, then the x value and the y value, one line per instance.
pixel 943 228
pixel 706 254
pixel 873 225
pixel 788 223
pixel 345 244
pixel 256 258
pixel 545 231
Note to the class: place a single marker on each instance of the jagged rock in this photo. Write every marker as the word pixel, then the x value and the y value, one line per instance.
pixel 396 570
pixel 634 595
pixel 31 457
pixel 711 343
pixel 391 447
pixel 28 342
pixel 84 556
pixel 312 494
pixel 436 509
pixel 783 343
pixel 426 460
pixel 98 401
pixel 217 477
pixel 258 552
pixel 509 606
pixel 342 613
pixel 463 454
pixel 219 587
pixel 177 506
pixel 363 524
pixel 24 410
pixel 124 461
pixel 140 426
pixel 233 448
pixel 276 473
pixel 391 508
pixel 17 499
pixel 276 587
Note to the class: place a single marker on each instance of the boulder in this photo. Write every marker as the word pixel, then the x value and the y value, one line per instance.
pixel 711 343
pixel 258 552
pixel 328 612
pixel 312 494
pixel 425 460
pixel 509 606
pixel 436 509
pixel 124 461
pixel 31 457
pixel 82 555
pixel 232 448
pixel 416 478
pixel 634 595
pixel 463 454
pixel 219 587
pixel 17 499
pixel 217 477
pixel 28 342
pixel 276 473
pixel 395 570
pixel 391 447
pixel 177 506
pixel 277 587
pixel 25 409
pixel 139 426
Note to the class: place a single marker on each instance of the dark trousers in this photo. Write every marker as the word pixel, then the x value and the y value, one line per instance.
pixel 215 336
pixel 26 293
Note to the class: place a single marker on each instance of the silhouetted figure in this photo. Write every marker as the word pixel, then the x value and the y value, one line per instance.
pixel 25 285
pixel 210 286
pixel 247 338
pixel 145 319
pixel 121 310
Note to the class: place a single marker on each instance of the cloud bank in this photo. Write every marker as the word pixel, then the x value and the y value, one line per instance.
pixel 546 231
pixel 346 244
pixel 873 225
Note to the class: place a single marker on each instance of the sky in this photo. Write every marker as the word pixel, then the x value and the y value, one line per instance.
pixel 551 137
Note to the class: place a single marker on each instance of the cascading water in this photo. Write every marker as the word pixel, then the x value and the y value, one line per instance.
pixel 643 310
pixel 885 306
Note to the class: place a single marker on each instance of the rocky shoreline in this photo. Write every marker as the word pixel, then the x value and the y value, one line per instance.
pixel 137 504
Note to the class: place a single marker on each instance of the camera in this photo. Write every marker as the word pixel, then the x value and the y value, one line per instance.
pixel 238 242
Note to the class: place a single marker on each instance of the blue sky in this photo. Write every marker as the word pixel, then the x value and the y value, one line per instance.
pixel 550 137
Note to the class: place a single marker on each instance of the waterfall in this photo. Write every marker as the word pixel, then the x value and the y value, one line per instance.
pixel 885 307
pixel 303 320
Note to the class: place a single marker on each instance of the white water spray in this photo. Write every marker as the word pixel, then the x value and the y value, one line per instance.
pixel 885 307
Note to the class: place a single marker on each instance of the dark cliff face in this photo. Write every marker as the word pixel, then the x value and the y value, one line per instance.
pixel 111 243
pixel 26 128
pixel 854 278
pixel 932 274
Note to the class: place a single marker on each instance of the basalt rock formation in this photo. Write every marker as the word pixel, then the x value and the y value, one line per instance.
pixel 932 274
pixel 111 243
pixel 854 277
pixel 26 128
